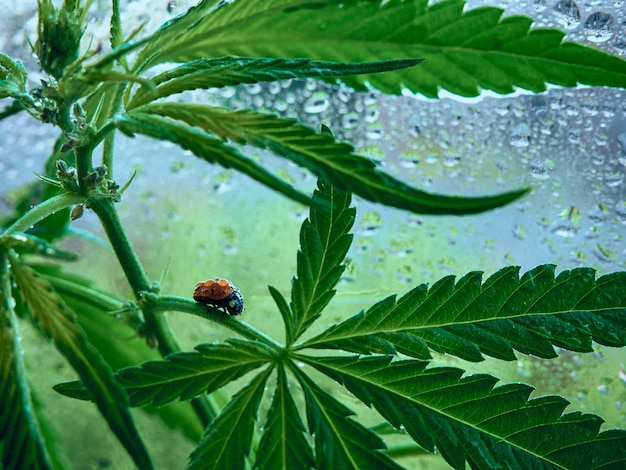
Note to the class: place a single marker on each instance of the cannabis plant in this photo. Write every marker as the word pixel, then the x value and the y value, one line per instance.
pixel 286 411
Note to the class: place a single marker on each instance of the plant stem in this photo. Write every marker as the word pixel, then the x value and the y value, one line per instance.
pixel 84 293
pixel 182 304
pixel 43 210
pixel 109 140
pixel 156 323
pixel 101 135
pixel 83 166
pixel 65 117
pixel 136 275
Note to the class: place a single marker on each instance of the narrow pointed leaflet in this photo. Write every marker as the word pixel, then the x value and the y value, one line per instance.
pixel 469 419
pixel 469 318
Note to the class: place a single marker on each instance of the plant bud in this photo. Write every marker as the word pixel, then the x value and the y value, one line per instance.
pixel 60 32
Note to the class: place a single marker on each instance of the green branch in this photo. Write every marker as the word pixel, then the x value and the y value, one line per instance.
pixel 43 210
pixel 156 323
pixel 182 304
pixel 83 166
pixel 135 273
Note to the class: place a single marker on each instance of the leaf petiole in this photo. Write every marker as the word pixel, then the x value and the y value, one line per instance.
pixel 41 211
pixel 181 304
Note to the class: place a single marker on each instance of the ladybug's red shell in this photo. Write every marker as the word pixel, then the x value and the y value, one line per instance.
pixel 219 293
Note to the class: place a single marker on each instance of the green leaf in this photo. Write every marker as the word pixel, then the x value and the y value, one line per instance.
pixel 324 242
pixel 340 441
pixel 100 104
pixel 227 71
pixel 469 420
pixel 465 50
pixel 59 323
pixel 10 109
pixel 13 78
pixel 283 443
pixel 170 31
pixel 183 375
pixel 22 444
pixel 206 147
pixel 226 441
pixel 118 341
pixel 322 155
pixel 505 313
pixel 285 311
pixel 117 34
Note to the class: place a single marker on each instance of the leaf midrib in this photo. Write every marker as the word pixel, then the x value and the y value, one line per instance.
pixel 180 378
pixel 325 248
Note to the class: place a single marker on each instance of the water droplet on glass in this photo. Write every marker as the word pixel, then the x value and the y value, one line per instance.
pixel 519 232
pixel 571 110
pixel 374 132
pixel 254 89
pixel 344 94
pixel 599 27
pixel 317 103
pixel 414 126
pixel 371 223
pixel 598 159
pixel 371 115
pixel 620 211
pixel 281 105
pixel 566 230
pixel 613 179
pixel 520 136
pixel 603 253
pixel 541 168
pixel 350 120
pixel 567 14
pixel 601 139
pixel 431 158
pixel 599 213
pixel 451 159
pixel 409 160
pixel 573 135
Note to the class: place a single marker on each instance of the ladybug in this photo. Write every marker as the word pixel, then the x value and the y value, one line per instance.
pixel 219 293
